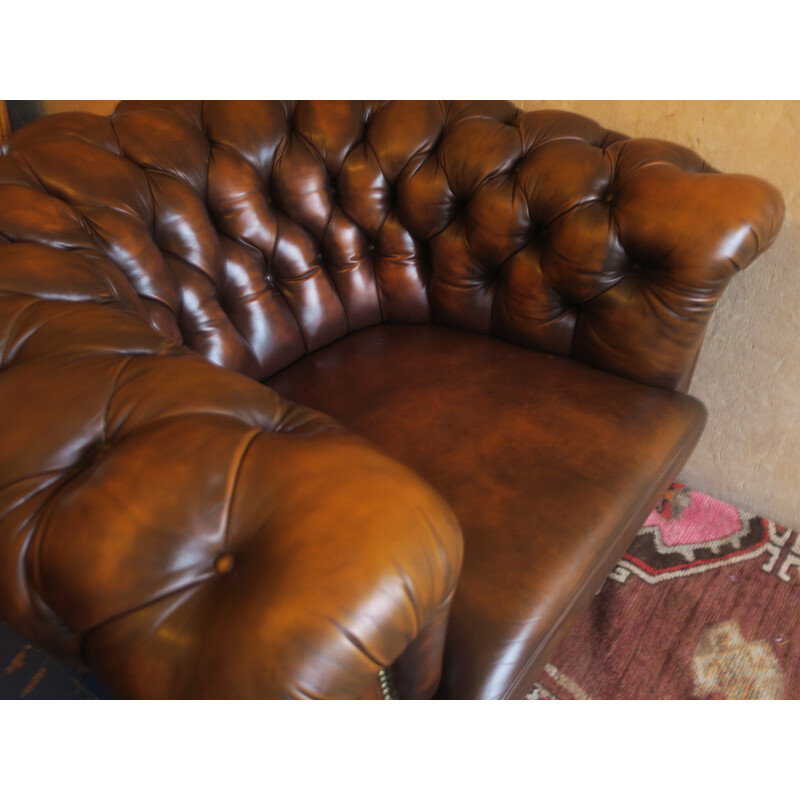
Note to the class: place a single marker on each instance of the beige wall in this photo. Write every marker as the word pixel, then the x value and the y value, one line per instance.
pixel 93 106
pixel 748 374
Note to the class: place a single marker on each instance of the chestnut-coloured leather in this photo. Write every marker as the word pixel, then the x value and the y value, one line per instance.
pixel 184 531
pixel 550 466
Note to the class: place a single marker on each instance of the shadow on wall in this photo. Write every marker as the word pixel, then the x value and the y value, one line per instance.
pixel 748 375
pixel 21 112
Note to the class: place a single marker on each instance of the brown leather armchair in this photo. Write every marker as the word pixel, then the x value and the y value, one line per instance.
pixel 500 310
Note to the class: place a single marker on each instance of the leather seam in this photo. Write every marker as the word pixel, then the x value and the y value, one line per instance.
pixel 127 612
pixel 270 271
pixel 114 383
pixel 14 322
pixel 245 447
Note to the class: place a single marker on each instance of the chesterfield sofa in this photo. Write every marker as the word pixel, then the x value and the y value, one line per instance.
pixel 342 399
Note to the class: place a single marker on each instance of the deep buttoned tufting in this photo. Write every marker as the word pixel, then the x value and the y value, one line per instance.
pixel 255 232
pixel 154 507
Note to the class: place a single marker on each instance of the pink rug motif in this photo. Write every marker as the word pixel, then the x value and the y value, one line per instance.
pixel 705 604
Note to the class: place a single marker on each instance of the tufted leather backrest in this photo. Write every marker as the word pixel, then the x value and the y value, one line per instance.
pixel 254 232
pixel 134 473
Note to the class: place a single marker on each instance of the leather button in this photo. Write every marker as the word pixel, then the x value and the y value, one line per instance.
pixel 223 563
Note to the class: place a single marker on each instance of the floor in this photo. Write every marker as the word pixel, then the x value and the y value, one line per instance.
pixel 30 674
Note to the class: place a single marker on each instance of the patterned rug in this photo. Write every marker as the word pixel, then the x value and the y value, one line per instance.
pixel 705 604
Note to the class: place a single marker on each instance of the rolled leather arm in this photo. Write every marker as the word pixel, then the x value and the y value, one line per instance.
pixel 183 531
pixel 678 232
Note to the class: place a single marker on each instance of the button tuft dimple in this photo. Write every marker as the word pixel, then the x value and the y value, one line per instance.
pixel 99 452
pixel 223 563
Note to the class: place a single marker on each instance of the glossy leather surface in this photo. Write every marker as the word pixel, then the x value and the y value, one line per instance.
pixel 258 231
pixel 184 531
pixel 549 465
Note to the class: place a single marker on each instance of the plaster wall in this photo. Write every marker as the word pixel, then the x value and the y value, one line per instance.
pixel 748 374
pixel 92 106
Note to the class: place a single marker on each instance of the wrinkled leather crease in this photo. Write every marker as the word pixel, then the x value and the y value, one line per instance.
pixel 175 525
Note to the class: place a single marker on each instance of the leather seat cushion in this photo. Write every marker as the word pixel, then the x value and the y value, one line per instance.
pixel 550 465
